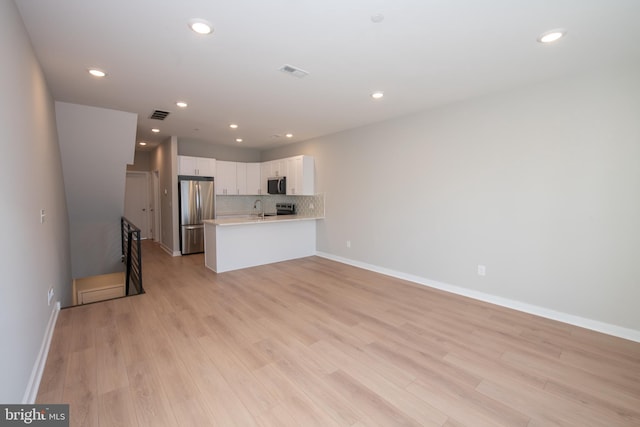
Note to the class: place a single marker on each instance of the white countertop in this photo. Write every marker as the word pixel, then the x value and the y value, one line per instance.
pixel 254 219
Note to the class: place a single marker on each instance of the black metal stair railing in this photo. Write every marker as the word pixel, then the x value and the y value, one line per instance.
pixel 132 256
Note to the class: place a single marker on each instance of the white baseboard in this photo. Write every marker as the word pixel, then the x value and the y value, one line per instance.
pixel 36 374
pixel 169 250
pixel 595 325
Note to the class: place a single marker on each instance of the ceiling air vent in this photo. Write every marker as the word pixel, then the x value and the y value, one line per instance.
pixel 159 115
pixel 293 71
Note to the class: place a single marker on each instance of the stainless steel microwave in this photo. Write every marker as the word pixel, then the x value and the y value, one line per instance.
pixel 277 185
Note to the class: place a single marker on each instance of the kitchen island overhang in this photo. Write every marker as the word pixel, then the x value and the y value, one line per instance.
pixel 235 243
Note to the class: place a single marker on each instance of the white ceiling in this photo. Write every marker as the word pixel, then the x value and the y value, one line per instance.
pixel 424 53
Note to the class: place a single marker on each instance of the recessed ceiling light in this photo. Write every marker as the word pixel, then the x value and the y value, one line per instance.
pixel 294 71
pixel 181 104
pixel 97 73
pixel 238 139
pixel 377 95
pixel 200 26
pixel 377 18
pixel 289 135
pixel 155 130
pixel 551 36
pixel 142 143
pixel 233 126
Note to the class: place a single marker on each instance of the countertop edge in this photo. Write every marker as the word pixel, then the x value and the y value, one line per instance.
pixel 268 220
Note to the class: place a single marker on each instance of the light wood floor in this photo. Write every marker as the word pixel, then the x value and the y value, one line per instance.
pixel 312 342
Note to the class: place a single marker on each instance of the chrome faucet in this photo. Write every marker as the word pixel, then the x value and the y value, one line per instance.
pixel 255 206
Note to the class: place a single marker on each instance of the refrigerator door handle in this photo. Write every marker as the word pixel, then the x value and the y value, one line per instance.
pixel 198 203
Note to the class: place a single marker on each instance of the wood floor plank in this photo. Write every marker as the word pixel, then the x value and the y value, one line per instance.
pixel 372 408
pixel 623 415
pixel 542 407
pixel 336 407
pixel 464 406
pixel 215 393
pixel 276 417
pixel 257 398
pixel 53 376
pixel 422 365
pixel 115 408
pixel 151 405
pixel 81 387
pixel 456 343
pixel 611 368
pixel 112 374
pixel 565 374
pixel 300 406
pixel 313 342
pixel 190 412
pixel 494 370
pixel 409 404
pixel 131 334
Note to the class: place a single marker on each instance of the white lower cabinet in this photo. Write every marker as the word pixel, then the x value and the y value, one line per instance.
pixel 226 247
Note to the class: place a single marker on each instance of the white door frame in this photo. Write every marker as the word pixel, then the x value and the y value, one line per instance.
pixel 157 212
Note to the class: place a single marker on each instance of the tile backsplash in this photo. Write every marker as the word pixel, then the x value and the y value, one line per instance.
pixel 243 205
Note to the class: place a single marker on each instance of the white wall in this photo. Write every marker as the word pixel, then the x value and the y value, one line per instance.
pixel 35 256
pixel 141 162
pixel 540 184
pixel 96 146
pixel 164 160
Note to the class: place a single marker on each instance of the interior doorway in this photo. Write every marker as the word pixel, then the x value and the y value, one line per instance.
pixel 136 201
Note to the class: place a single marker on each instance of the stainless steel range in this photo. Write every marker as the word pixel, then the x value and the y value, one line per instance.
pixel 285 208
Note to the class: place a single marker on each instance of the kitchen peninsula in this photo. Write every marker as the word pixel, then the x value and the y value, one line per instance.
pixel 234 243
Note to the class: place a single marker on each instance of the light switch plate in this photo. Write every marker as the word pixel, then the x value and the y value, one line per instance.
pixel 482 270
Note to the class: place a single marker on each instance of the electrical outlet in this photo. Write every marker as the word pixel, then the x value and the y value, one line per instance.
pixel 42 215
pixel 348 243
pixel 482 270
pixel 50 296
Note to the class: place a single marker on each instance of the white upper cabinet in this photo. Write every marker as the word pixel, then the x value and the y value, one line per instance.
pixel 187 165
pixel 299 171
pixel 300 176
pixel 250 179
pixel 265 173
pixel 237 178
pixel 205 166
pixel 198 166
pixel 241 178
pixel 226 181
pixel 277 168
pixel 253 181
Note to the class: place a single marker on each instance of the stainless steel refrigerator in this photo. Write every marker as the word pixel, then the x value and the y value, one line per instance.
pixel 197 203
